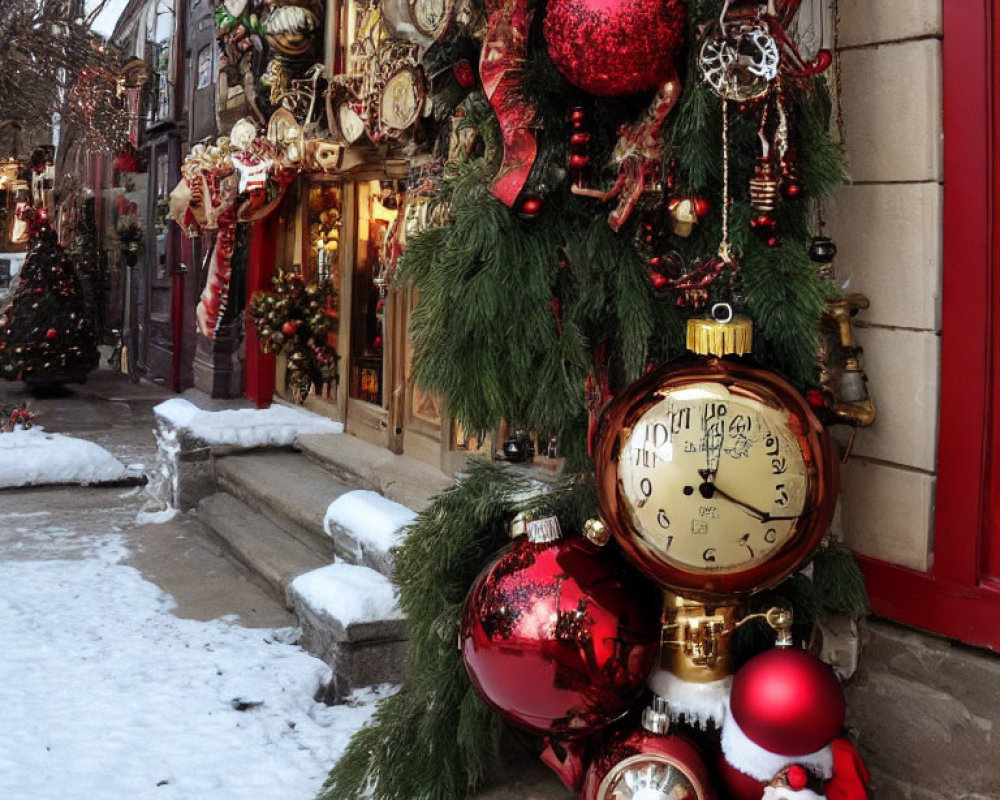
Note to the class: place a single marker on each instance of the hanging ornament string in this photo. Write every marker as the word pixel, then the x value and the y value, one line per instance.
pixel 692 285
pixel 725 248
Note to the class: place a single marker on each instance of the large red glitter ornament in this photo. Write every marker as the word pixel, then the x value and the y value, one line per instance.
pixel 614 47
pixel 554 637
pixel 788 701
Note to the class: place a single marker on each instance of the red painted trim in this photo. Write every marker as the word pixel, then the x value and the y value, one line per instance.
pixel 991 561
pixel 953 599
pixel 259 367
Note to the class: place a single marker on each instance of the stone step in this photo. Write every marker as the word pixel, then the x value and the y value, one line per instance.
pixel 257 543
pixel 351 620
pixel 403 479
pixel 290 490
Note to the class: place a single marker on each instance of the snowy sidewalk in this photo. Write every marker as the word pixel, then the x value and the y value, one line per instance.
pixel 104 693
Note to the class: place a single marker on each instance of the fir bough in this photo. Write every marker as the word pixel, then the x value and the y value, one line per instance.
pixel 436 738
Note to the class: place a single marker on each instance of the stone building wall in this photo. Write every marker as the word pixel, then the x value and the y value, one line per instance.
pixel 927 711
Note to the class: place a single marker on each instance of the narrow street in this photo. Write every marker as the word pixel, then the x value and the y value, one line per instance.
pixel 138 661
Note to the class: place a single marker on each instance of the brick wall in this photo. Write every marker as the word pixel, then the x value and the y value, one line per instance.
pixel 887 225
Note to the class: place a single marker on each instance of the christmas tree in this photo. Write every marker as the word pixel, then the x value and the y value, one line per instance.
pixel 46 334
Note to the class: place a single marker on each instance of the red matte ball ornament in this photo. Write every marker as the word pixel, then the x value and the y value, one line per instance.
pixel 612 48
pixel 788 701
pixel 51 333
pixel 555 637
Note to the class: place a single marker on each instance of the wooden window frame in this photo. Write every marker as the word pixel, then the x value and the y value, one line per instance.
pixel 960 596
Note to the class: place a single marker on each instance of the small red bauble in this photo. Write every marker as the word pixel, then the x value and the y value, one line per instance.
pixel 51 333
pixel 289 328
pixel 464 73
pixel 530 207
pixel 788 701
pixel 614 47
pixel 644 763
pixel 555 639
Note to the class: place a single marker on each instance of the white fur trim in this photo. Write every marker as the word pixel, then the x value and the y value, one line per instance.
pixel 753 760
pixel 698 703
pixel 784 793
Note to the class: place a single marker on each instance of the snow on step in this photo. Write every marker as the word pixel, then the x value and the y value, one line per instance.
pixel 350 618
pixel 276 426
pixel 347 594
pixel 33 457
pixel 365 526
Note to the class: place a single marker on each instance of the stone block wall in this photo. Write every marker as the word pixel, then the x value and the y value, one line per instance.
pixel 926 710
pixel 887 225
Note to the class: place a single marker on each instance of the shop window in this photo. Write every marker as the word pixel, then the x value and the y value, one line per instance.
pixel 161 212
pixel 325 209
pixel 161 35
pixel 206 66
pixel 377 214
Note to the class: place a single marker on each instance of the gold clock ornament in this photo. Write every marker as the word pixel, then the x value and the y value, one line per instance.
pixel 713 474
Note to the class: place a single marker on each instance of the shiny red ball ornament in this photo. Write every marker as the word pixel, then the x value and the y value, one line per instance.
pixel 554 635
pixel 612 48
pixel 51 333
pixel 648 763
pixel 788 701
pixel 289 328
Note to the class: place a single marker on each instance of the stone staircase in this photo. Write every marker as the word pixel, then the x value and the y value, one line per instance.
pixel 268 509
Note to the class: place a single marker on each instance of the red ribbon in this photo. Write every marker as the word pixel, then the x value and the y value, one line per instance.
pixel 502 58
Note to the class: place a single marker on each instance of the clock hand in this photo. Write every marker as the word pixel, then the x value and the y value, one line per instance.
pixel 713 441
pixel 753 511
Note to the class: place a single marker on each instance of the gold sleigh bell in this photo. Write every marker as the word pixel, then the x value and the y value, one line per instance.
pixel 721 333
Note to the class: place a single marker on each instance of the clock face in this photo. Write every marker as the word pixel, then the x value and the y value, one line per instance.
pixel 715 477
pixel 430 16
pixel 352 127
pixel 713 480
pixel 401 100
pixel 648 776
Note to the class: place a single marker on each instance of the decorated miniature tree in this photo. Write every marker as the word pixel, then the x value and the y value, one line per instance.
pixel 46 334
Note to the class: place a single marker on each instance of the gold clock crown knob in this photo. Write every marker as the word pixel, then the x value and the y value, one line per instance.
pixel 721 333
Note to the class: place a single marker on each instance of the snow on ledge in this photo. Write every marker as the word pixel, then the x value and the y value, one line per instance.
pixel 347 593
pixel 276 426
pixel 372 519
pixel 32 457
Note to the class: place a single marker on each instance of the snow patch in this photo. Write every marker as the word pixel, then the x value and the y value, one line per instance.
pixel 32 457
pixel 348 593
pixel 370 518
pixel 156 517
pixel 107 694
pixel 276 426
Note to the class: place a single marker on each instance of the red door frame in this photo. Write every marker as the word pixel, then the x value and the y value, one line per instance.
pixel 957 598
